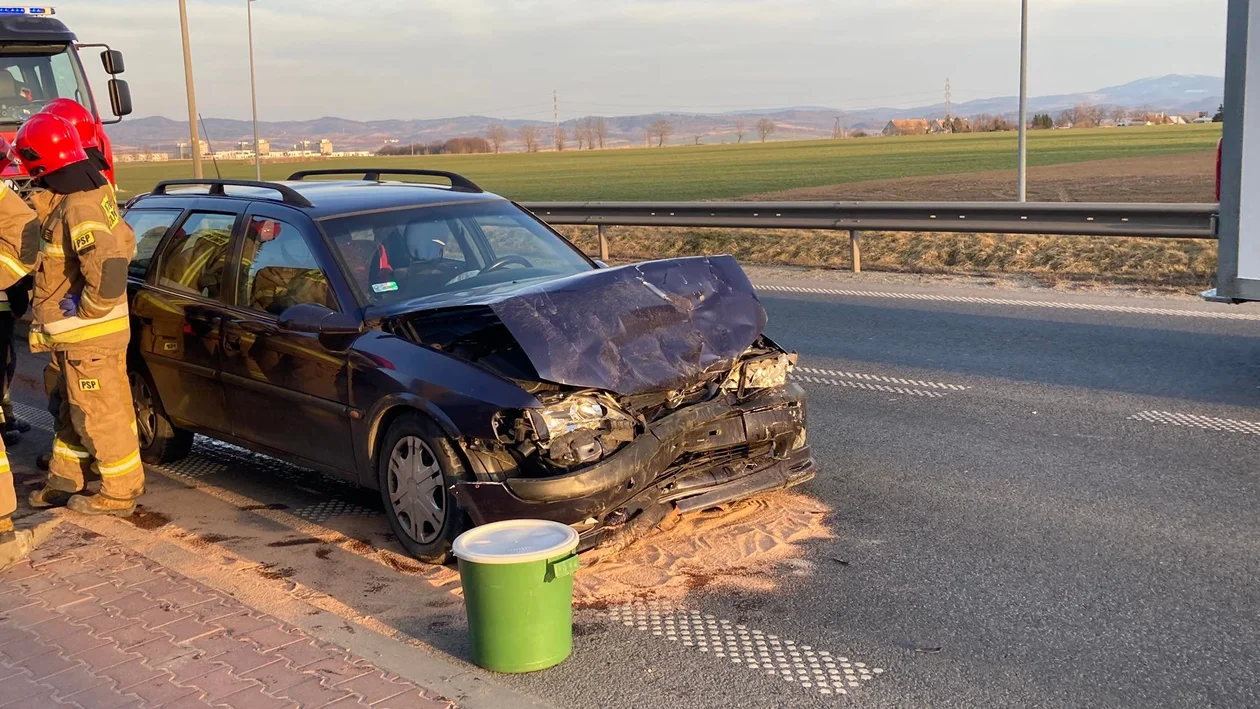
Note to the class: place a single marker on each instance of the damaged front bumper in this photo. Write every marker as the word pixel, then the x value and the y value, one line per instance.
pixel 698 457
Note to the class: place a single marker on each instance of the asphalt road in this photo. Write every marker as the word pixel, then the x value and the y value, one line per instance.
pixel 1039 499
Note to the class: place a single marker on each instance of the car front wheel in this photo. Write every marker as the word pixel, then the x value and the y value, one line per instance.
pixel 416 467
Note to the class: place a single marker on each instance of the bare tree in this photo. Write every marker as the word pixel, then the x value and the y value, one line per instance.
pixel 697 138
pixel 1085 115
pixel 579 132
pixel 530 135
pixel 600 128
pixel 497 134
pixel 661 129
pixel 560 136
pixel 1065 119
pixel 740 126
pixel 765 127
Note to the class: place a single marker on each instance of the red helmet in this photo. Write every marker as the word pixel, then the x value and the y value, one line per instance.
pixel 47 143
pixel 79 117
pixel 6 154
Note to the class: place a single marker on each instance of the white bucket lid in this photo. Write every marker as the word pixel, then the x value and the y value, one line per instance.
pixel 515 541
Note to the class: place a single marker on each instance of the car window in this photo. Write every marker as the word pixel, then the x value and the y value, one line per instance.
pixel 196 257
pixel 279 270
pixel 149 225
pixel 403 254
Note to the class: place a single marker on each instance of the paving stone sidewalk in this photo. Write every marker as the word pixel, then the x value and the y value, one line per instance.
pixel 86 623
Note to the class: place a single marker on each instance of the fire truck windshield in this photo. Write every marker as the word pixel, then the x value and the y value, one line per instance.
pixel 31 75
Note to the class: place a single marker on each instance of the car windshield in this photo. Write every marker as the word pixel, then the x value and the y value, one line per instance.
pixel 31 75
pixel 399 255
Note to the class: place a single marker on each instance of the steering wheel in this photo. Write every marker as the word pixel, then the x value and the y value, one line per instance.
pixel 513 258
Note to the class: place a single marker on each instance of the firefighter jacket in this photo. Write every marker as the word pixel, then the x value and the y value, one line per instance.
pixel 85 251
pixel 19 241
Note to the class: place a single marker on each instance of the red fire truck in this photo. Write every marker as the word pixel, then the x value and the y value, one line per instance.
pixel 39 62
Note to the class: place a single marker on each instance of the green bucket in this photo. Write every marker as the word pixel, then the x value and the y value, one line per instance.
pixel 518 593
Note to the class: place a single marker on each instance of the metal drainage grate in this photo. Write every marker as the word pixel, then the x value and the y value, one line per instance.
pixel 328 509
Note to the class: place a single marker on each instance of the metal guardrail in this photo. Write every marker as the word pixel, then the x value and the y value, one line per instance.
pixel 1172 221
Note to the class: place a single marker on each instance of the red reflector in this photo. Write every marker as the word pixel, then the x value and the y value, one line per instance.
pixel 379 360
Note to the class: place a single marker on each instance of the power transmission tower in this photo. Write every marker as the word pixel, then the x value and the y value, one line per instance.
pixel 835 132
pixel 949 115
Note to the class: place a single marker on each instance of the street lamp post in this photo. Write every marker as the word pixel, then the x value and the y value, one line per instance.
pixel 1023 103
pixel 253 92
pixel 194 140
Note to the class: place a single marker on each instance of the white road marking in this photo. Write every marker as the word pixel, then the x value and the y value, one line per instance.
pixel 880 378
pixel 816 670
pixel 1208 314
pixel 865 385
pixel 1195 421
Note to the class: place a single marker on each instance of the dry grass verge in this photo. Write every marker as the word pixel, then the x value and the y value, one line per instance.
pixel 1179 265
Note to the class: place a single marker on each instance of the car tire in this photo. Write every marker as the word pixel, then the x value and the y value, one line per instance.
pixel 160 440
pixel 416 466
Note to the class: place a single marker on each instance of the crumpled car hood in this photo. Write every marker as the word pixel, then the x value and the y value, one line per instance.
pixel 634 329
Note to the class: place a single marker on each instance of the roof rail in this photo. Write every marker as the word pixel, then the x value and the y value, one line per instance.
pixel 373 174
pixel 287 194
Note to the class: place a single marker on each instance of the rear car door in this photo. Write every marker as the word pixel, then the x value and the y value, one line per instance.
pixel 287 391
pixel 179 315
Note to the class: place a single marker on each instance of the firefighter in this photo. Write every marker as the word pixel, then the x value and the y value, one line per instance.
pixel 81 318
pixel 19 245
pixel 85 124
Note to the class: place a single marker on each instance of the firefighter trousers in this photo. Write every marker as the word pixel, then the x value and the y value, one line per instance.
pixel 8 495
pixel 96 426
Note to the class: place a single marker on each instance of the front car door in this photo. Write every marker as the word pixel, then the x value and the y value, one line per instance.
pixel 179 315
pixel 288 392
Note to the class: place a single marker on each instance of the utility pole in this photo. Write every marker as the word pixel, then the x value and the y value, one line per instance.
pixel 555 119
pixel 194 144
pixel 1022 187
pixel 253 91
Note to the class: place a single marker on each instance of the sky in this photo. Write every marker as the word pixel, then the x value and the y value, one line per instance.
pixel 385 59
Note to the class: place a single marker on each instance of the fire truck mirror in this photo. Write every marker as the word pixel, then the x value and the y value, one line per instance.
pixel 120 97
pixel 113 61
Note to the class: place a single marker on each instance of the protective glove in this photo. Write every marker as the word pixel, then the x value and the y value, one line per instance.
pixel 70 305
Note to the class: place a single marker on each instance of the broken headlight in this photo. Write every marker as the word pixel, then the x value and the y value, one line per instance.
pixel 761 373
pixel 581 429
pixel 567 416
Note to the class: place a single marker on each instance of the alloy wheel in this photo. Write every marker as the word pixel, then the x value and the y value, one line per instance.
pixel 146 410
pixel 417 489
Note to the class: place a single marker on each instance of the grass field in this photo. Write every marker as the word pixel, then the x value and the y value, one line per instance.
pixel 732 171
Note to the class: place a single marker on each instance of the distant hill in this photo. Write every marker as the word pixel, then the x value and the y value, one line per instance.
pixel 1175 93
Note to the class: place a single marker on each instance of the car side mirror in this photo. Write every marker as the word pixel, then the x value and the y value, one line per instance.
pixel 318 320
pixel 120 97
pixel 112 59
pixel 600 264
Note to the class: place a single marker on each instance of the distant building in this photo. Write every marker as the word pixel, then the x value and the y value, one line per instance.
pixel 325 147
pixel 1202 119
pixel 907 126
pixel 264 147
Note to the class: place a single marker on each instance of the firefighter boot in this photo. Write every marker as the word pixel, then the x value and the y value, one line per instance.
pixel 48 497
pixel 99 504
